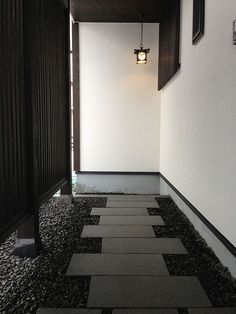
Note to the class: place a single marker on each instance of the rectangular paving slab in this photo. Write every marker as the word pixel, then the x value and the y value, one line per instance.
pixel 117 264
pixel 119 211
pixel 68 311
pixel 131 220
pixel 90 231
pixel 213 311
pixel 145 245
pixel 145 204
pixel 132 198
pixel 146 292
pixel 145 311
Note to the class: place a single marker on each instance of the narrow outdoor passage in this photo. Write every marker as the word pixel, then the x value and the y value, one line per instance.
pixel 147 263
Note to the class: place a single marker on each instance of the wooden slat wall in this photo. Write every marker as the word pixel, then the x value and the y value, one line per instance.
pixel 34 106
pixel 169 37
pixel 46 29
pixel 13 180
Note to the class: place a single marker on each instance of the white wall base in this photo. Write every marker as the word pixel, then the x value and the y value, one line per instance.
pixel 119 183
pixel 226 258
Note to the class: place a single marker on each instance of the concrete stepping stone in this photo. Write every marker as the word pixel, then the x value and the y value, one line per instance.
pixel 143 246
pixel 213 311
pixel 68 311
pixel 119 211
pixel 117 264
pixel 132 198
pixel 146 292
pixel 145 311
pixel 133 204
pixel 131 220
pixel 91 231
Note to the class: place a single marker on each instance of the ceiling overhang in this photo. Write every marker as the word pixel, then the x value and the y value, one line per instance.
pixel 118 11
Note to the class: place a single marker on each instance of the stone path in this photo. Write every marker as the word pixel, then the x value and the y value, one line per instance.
pixel 143 311
pixel 117 264
pixel 69 311
pixel 131 220
pixel 146 292
pixel 119 211
pixel 136 204
pixel 130 275
pixel 143 246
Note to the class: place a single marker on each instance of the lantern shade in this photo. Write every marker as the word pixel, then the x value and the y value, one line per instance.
pixel 141 55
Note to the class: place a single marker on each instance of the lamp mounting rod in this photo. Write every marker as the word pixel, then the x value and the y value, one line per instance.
pixel 141 18
pixel 141 44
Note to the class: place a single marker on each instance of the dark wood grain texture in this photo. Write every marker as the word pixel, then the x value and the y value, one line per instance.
pixel 198 20
pixel 117 11
pixel 67 187
pixel 169 37
pixel 47 84
pixel 13 165
pixel 76 97
pixel 35 108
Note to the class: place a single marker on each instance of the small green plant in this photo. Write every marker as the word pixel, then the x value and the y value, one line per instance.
pixel 74 183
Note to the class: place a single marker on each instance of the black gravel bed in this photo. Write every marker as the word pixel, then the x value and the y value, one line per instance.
pixel 155 211
pixel 27 284
pixel 88 245
pixel 85 205
pixel 201 261
pixel 181 265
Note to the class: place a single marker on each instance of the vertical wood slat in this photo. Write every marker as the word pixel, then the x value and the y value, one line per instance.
pixel 49 96
pixel 169 37
pixel 76 96
pixel 67 189
pixel 13 177
pixel 34 106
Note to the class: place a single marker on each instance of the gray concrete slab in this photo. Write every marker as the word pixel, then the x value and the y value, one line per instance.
pixel 118 183
pixel 145 245
pixel 117 231
pixel 67 311
pixel 213 311
pixel 132 198
pixel 145 311
pixel 146 292
pixel 117 264
pixel 107 195
pixel 131 220
pixel 133 204
pixel 118 211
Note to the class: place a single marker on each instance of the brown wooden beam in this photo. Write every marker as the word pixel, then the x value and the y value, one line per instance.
pixel 76 96
pixel 169 37
pixel 66 191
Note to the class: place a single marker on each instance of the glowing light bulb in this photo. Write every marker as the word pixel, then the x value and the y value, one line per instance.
pixel 141 56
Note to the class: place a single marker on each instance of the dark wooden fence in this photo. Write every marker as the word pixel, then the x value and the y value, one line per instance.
pixel 46 55
pixel 169 37
pixel 76 96
pixel 34 109
pixel 13 175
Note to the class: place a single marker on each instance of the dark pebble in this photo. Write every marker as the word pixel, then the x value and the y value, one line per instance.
pixel 201 261
pixel 28 284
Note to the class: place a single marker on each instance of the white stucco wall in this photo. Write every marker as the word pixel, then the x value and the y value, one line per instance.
pixel 120 104
pixel 198 118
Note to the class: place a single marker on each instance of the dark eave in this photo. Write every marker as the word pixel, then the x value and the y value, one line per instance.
pixel 118 11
